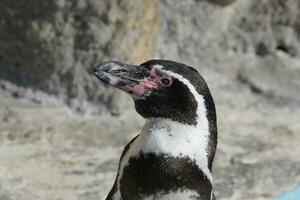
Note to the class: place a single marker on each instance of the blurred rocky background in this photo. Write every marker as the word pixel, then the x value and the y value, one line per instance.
pixel 62 131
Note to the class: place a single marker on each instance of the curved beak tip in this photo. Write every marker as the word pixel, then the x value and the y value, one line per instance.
pixel 94 71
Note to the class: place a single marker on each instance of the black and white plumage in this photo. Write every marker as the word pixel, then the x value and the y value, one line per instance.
pixel 172 156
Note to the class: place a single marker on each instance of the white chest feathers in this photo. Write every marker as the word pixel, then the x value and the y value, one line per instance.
pixel 175 139
pixel 162 136
pixel 179 195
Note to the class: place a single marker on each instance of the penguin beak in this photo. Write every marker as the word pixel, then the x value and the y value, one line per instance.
pixel 129 78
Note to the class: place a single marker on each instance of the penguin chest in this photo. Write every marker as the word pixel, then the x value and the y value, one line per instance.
pixel 166 161
pixel 150 176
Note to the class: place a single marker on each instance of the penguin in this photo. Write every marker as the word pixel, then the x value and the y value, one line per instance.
pixel 172 157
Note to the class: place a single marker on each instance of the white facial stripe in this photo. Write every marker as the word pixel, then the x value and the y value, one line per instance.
pixel 202 127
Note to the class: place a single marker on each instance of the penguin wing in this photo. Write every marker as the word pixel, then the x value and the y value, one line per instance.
pixel 114 188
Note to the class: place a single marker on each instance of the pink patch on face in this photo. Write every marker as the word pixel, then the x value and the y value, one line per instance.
pixel 138 90
pixel 153 74
pixel 149 82
pixel 142 86
pixel 154 77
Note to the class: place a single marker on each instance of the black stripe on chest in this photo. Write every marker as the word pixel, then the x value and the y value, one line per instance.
pixel 149 174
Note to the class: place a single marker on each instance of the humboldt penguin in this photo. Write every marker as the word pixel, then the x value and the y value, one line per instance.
pixel 172 157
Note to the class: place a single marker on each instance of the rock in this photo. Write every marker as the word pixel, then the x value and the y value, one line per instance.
pixel 201 32
pixel 273 78
pixel 4 195
pixel 220 2
pixel 51 45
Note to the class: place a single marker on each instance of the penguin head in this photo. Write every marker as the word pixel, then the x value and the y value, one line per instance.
pixel 161 89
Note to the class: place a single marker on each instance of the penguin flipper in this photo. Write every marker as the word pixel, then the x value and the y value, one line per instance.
pixel 115 187
pixel 112 191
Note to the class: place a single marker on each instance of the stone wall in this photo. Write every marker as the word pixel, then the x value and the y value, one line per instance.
pixel 204 30
pixel 51 45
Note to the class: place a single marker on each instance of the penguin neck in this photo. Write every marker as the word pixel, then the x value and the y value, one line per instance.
pixel 162 130
pixel 169 126
pixel 167 137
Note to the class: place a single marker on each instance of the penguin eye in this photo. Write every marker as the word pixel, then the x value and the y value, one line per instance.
pixel 165 81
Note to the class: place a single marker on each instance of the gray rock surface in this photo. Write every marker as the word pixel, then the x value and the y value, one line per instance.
pixel 247 50
pixel 51 45
pixel 201 32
